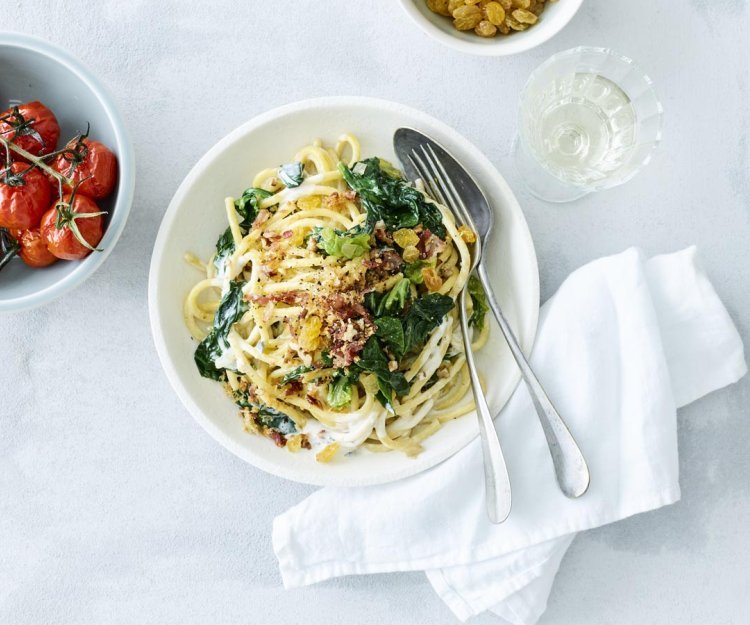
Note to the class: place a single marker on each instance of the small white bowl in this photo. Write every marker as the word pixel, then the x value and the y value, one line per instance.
pixel 32 69
pixel 554 18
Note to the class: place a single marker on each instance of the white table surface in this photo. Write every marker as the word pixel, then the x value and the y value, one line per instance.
pixel 115 507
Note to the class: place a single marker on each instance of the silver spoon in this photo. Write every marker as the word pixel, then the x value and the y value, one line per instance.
pixel 455 188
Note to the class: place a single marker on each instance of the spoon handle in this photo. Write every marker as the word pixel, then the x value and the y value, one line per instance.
pixel 496 480
pixel 570 465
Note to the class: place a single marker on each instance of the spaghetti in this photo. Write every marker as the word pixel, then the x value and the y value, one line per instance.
pixel 328 310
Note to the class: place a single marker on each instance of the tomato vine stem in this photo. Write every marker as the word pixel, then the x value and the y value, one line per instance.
pixel 38 161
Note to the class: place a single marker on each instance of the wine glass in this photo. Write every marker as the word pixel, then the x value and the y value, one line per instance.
pixel 589 119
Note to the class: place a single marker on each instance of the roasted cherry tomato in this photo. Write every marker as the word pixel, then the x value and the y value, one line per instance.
pixel 33 250
pixel 89 164
pixel 24 196
pixel 31 126
pixel 73 227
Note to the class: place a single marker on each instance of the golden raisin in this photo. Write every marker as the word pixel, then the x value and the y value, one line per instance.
pixel 439 6
pixel 503 28
pixel 454 4
pixel 467 234
pixel 494 12
pixel 309 335
pixel 310 202
pixel 294 442
pixel 405 237
pixel 506 4
pixel 297 239
pixel 471 1
pixel 514 23
pixel 521 4
pixel 485 29
pixel 431 279
pixel 467 17
pixel 410 254
pixel 524 17
pixel 327 453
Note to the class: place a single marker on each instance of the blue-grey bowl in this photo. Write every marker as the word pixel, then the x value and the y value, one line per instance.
pixel 32 69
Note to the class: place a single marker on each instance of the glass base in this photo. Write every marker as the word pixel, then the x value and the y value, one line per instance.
pixel 539 182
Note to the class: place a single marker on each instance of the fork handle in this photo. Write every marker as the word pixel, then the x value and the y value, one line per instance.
pixel 570 466
pixel 496 480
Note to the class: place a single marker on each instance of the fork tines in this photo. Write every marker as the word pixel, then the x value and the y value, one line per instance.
pixel 438 183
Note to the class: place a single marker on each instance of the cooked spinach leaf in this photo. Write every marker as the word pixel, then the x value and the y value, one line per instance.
pixel 339 391
pixel 395 299
pixel 372 301
pixel 276 420
pixel 247 207
pixel 391 332
pixel 291 174
pixel 345 244
pixel 479 302
pixel 390 199
pixel 8 247
pixel 266 416
pixel 374 360
pixel 295 374
pixel 413 271
pixel 231 309
pixel 424 316
pixel 224 249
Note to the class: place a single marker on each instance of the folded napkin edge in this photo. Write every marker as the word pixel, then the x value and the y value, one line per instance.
pixel 296 574
pixel 464 610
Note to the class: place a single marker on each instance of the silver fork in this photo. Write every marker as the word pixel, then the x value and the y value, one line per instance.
pixel 496 481
pixel 570 466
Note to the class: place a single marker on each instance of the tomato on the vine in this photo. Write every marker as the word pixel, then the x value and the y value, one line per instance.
pixel 33 249
pixel 72 227
pixel 25 193
pixel 89 164
pixel 31 126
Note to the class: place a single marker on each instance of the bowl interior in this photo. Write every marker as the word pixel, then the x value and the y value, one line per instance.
pixel 195 219
pixel 555 16
pixel 31 74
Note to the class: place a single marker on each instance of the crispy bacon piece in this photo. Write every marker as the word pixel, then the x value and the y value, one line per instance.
pixel 277 438
pixel 382 235
pixel 429 245
pixel 345 307
pixel 348 338
pixel 293 387
pixel 313 400
pixel 384 262
pixel 262 217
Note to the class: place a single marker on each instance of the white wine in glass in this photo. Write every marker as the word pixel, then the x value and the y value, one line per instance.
pixel 588 121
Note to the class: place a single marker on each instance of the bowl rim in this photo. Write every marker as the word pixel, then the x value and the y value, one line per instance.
pixel 159 251
pixel 126 172
pixel 497 47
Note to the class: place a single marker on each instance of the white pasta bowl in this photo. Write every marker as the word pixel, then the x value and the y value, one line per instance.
pixel 555 17
pixel 196 217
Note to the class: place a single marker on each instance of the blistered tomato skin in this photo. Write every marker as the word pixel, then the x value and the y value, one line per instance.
pixel 32 127
pixel 24 197
pixel 34 250
pixel 91 165
pixel 62 241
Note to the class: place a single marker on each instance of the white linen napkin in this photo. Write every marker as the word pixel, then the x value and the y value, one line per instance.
pixel 623 343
